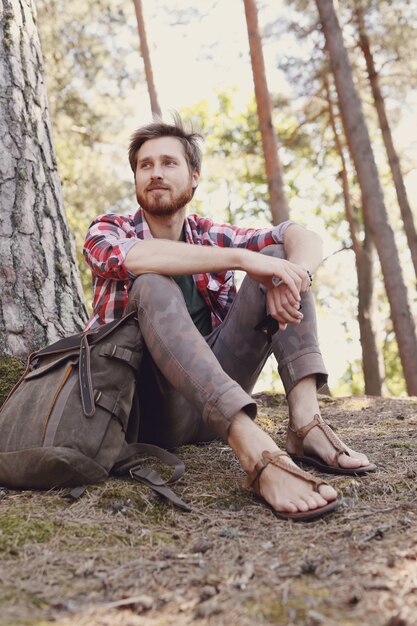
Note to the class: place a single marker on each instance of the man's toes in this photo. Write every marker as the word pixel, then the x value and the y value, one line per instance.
pixel 315 501
pixel 300 504
pixel 327 493
pixel 364 460
pixel 310 502
pixel 349 461
pixel 288 506
pixel 353 459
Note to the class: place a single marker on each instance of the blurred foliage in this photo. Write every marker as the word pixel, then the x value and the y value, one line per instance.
pixel 392 28
pixel 234 166
pixel 90 72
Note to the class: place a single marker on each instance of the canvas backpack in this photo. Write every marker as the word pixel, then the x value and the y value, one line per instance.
pixel 65 421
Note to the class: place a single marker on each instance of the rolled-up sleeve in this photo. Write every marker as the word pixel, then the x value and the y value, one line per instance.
pixel 278 231
pixel 107 243
pixel 226 235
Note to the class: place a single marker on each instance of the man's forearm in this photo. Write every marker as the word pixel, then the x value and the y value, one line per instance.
pixel 303 247
pixel 175 258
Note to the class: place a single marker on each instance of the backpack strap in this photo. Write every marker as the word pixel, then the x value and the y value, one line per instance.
pixel 123 354
pixel 130 461
pixel 113 406
pixel 86 384
pixel 111 350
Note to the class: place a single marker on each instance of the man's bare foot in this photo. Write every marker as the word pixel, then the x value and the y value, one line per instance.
pixel 284 491
pixel 319 442
pixel 323 443
pixel 287 492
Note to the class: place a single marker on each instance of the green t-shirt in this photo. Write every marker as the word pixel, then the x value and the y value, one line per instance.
pixel 197 308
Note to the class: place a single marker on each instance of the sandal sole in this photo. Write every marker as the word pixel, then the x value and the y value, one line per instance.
pixel 307 516
pixel 329 469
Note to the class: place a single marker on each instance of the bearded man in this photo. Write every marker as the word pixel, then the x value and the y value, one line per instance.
pixel 206 343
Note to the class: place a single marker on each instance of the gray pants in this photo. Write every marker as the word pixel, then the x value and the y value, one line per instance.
pixel 190 386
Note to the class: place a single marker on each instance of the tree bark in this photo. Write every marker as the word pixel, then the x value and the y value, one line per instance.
pixel 273 166
pixel 371 359
pixel 375 213
pixel 41 295
pixel 392 155
pixel 155 108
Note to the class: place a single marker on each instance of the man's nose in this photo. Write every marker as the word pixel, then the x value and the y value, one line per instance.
pixel 157 171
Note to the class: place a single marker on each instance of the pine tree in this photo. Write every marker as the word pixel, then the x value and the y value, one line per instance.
pixel 41 295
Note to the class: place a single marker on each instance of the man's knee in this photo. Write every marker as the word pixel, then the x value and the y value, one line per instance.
pixel 149 281
pixel 148 287
pixel 276 250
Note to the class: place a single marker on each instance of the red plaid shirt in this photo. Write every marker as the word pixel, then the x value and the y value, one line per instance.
pixel 111 236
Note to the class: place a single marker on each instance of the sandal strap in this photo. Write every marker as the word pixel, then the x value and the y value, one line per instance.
pixel 252 481
pixel 302 432
pixel 318 421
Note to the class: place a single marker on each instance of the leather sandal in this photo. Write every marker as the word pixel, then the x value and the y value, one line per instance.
pixel 296 438
pixel 252 482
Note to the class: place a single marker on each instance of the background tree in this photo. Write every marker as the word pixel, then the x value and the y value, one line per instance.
pixel 92 68
pixel 274 172
pixel 315 103
pixel 41 292
pixel 372 197
pixel 155 108
pixel 392 154
pixel 364 253
pixel 393 30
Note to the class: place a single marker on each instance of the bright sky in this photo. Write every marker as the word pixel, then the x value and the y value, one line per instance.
pixel 192 63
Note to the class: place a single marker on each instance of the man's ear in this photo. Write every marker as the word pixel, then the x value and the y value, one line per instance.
pixel 195 177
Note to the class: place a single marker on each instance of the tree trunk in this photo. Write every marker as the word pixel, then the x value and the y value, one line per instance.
pixel 372 358
pixel 41 295
pixel 273 167
pixel 375 213
pixel 364 268
pixel 155 108
pixel 393 158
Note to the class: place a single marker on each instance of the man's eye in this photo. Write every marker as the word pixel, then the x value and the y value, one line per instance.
pixel 144 166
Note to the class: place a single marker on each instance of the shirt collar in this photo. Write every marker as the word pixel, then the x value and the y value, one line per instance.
pixel 188 231
pixel 141 225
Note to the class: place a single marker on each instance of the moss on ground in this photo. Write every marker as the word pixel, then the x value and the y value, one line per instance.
pixel 403 444
pixel 46 519
pixel 122 497
pixel 11 369
pixel 20 527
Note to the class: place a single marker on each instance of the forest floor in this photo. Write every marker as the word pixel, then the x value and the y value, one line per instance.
pixel 120 556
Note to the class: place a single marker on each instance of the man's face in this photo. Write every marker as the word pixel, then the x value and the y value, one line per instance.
pixel 163 181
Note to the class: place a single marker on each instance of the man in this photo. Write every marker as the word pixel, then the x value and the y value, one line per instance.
pixel 203 350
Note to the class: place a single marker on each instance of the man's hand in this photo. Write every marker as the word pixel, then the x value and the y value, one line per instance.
pixel 283 301
pixel 265 268
pixel 283 307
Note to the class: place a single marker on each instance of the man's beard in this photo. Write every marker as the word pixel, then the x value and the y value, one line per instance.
pixel 161 207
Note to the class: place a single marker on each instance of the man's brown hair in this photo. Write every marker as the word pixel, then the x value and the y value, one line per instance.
pixel 190 141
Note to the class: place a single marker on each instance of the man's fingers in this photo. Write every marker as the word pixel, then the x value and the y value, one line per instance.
pixel 273 272
pixel 291 283
pixel 287 298
pixel 290 315
pixel 281 307
pixel 294 276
